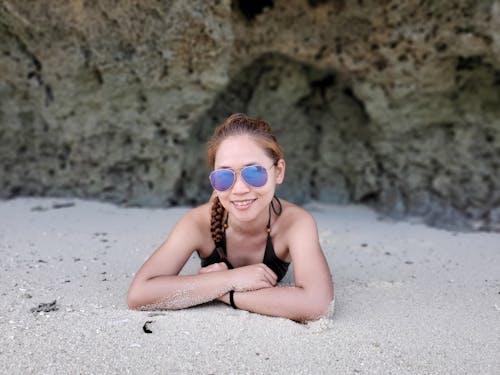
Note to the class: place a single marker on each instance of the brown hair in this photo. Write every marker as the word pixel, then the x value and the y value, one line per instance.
pixel 238 124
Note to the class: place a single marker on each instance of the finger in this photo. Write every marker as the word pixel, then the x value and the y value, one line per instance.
pixel 214 268
pixel 268 278
pixel 264 273
pixel 207 269
pixel 222 265
pixel 270 275
pixel 272 279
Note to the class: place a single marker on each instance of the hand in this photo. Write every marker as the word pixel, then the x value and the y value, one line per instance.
pixel 216 267
pixel 253 277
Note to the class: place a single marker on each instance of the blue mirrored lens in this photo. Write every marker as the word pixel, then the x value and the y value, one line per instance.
pixel 254 175
pixel 222 179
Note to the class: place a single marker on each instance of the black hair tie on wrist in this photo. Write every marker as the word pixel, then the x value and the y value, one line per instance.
pixel 231 299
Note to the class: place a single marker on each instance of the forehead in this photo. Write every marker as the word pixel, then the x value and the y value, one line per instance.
pixel 239 150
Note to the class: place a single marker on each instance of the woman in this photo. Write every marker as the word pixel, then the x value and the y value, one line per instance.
pixel 245 236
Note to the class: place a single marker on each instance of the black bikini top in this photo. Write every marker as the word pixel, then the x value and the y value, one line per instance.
pixel 271 260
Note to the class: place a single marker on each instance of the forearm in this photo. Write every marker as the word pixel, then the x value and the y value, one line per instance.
pixel 177 292
pixel 294 303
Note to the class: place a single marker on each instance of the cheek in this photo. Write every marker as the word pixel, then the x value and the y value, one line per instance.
pixel 274 180
pixel 267 189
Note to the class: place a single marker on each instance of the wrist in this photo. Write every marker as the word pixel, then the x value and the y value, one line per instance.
pixel 224 298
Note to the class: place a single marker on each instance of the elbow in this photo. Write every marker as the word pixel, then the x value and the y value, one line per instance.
pixel 133 298
pixel 327 308
pixel 320 307
pixel 132 303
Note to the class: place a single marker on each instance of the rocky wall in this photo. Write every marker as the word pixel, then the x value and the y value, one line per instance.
pixel 391 103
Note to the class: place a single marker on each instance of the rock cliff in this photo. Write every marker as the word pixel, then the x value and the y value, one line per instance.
pixel 390 103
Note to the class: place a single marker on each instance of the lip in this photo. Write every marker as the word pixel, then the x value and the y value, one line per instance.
pixel 243 204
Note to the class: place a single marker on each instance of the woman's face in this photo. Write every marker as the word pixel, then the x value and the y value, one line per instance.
pixel 243 201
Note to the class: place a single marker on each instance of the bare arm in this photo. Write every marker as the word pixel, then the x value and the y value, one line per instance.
pixel 158 285
pixel 176 292
pixel 172 292
pixel 312 294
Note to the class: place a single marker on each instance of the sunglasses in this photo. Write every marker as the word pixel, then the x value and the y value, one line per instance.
pixel 253 175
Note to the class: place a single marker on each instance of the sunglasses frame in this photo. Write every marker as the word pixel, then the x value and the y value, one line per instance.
pixel 237 172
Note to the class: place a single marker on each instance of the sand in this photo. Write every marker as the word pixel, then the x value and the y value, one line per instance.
pixel 410 299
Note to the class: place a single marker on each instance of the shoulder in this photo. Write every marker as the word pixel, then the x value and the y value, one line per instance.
pixel 193 229
pixel 296 220
pixel 293 214
pixel 198 217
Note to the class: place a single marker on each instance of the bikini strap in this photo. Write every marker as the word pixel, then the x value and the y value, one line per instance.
pixel 279 209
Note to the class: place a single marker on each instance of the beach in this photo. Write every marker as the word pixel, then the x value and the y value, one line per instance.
pixel 409 299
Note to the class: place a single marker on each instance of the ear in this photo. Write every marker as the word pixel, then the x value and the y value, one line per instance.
pixel 280 171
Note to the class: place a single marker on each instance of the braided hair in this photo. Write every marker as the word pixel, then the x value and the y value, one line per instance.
pixel 216 220
pixel 238 124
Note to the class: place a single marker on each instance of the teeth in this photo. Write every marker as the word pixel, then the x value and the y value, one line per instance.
pixel 242 203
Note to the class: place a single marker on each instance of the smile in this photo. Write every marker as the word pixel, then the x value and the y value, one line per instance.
pixel 243 203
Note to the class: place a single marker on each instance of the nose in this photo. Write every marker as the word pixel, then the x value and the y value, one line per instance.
pixel 240 187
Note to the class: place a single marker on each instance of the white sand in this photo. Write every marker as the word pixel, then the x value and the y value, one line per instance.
pixel 410 300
